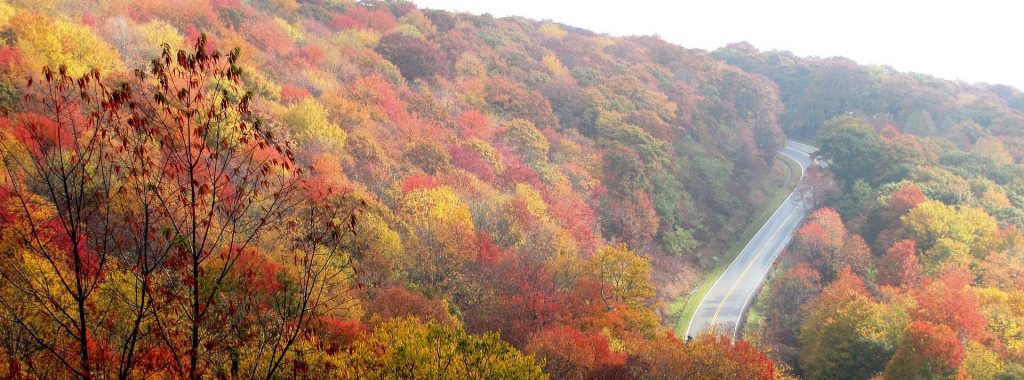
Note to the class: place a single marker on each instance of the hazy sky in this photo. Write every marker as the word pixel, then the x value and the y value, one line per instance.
pixel 970 40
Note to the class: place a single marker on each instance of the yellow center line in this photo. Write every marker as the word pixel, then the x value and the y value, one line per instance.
pixel 745 270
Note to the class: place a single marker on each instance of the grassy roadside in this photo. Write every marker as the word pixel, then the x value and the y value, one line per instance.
pixel 685 306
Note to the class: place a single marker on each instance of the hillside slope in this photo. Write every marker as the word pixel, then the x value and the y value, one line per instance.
pixel 442 182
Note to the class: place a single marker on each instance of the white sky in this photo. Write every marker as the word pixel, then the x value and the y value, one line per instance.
pixel 970 40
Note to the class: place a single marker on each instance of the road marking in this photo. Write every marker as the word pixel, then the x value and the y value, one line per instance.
pixel 753 260
pixel 689 326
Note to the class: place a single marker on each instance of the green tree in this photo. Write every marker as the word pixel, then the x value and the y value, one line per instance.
pixel 850 148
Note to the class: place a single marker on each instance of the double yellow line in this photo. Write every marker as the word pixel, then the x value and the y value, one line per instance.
pixel 739 279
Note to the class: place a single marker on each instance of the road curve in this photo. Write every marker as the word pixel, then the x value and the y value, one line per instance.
pixel 723 306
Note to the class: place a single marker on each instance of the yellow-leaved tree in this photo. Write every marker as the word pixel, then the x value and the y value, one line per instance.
pixel 48 42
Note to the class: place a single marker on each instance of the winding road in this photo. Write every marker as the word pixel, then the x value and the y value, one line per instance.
pixel 723 306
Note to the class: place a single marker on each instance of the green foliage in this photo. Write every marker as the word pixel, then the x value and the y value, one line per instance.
pixel 525 137
pixel 850 148
pixel 680 241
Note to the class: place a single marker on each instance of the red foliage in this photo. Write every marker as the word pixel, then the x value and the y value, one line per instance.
pixel 714 356
pixel 377 90
pixel 10 58
pixel 849 282
pixel 473 124
pixel 899 266
pixel 379 19
pixel 398 302
pixel 268 37
pixel 516 171
pixel 326 178
pixel 927 349
pixel 337 333
pixel 308 55
pixel 570 353
pixel 40 133
pixel 419 181
pixel 790 292
pixel 192 34
pixel 292 94
pixel 489 253
pixel 632 219
pixel 472 161
pixel 530 300
pixel 526 300
pixel 256 272
pixel 513 99
pixel 576 216
pixel 947 300
pixel 905 199
pixel 90 20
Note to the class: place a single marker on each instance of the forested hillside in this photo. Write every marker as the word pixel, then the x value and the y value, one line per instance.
pixel 912 267
pixel 817 89
pixel 285 189
pixel 367 189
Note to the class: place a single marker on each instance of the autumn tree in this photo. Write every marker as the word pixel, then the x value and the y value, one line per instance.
pixel 926 351
pixel 899 265
pixel 846 334
pixel 61 235
pixel 226 183
pixel 790 292
pixel 568 353
pixel 416 57
pixel 624 276
pixel 441 238
pixel 949 300
pixel 409 348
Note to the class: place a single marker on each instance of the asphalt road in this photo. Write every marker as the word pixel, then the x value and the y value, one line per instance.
pixel 724 305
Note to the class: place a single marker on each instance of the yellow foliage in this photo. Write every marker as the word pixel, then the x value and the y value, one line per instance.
pixel 469 64
pixel 357 38
pixel 441 238
pixel 438 205
pixel 995 197
pixel 525 137
pixel 932 222
pixel 554 66
pixel 6 11
pixel 980 363
pixel 294 33
pixel 628 275
pixel 258 82
pixel 320 80
pixel 308 123
pixel 993 148
pixel 411 349
pixel 410 31
pixel 416 19
pixel 533 201
pixel 345 111
pixel 48 42
pixel 488 153
pixel 1005 314
pixel 551 31
pixel 157 32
